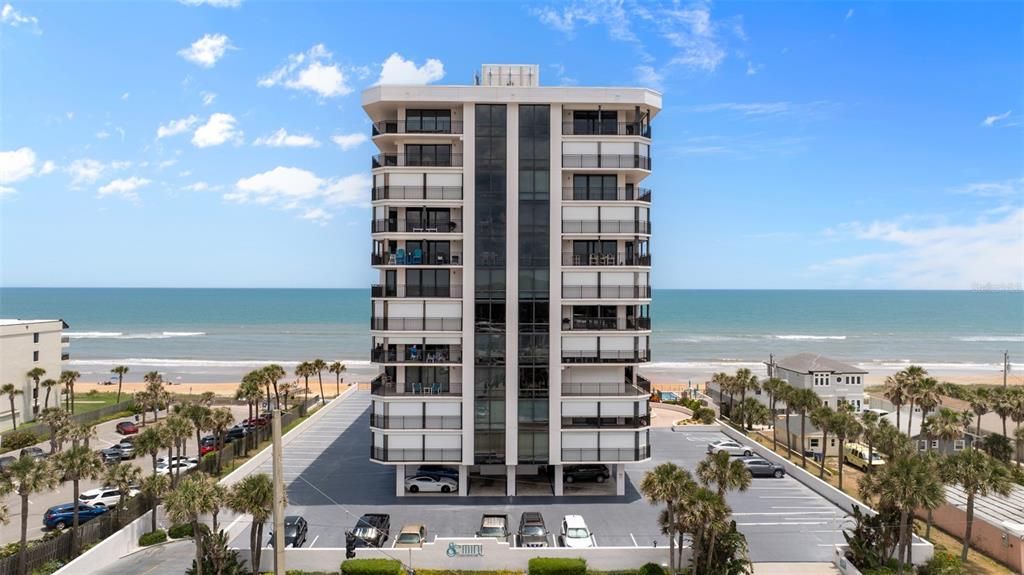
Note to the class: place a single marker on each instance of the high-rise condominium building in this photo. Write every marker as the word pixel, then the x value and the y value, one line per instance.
pixel 512 236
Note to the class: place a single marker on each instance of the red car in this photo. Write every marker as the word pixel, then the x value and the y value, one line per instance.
pixel 127 428
pixel 260 421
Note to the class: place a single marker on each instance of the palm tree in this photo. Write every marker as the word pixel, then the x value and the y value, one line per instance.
pixel 724 472
pixel 785 393
pixel 120 371
pixel 1017 407
pixel 68 378
pixel 870 422
pixel 77 463
pixel 31 476
pixel 80 433
pixel 57 420
pixel 35 374
pixel 890 440
pixel 157 394
pixel 10 391
pixel 337 368
pixel 197 414
pixel 847 427
pixel 178 429
pixel 699 509
pixel 667 483
pixel 927 396
pixel 272 374
pixel 724 383
pixel 193 498
pixel 977 474
pixel 896 392
pixel 142 399
pixel 772 387
pixel 980 401
pixel 125 477
pixel 1002 405
pixel 48 384
pixel 746 381
pixel 150 441
pixel 250 391
pixel 803 401
pixel 155 486
pixel 304 370
pixel 287 388
pixel 823 417
pixel 318 366
pixel 254 496
pixel 219 421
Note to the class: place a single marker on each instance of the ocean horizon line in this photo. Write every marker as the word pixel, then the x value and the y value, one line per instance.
pixel 692 289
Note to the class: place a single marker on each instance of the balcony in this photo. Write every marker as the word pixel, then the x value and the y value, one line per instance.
pixel 606 128
pixel 381 386
pixel 605 259
pixel 416 291
pixel 450 226
pixel 643 383
pixel 416 323
pixel 401 258
pixel 417 193
pixel 606 323
pixel 432 354
pixel 65 356
pixel 606 227
pixel 636 422
pixel 415 455
pixel 417 126
pixel 606 356
pixel 603 389
pixel 616 161
pixel 606 292
pixel 607 194
pixel 598 454
pixel 415 421
pixel 408 161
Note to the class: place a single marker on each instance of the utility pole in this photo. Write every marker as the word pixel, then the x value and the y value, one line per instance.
pixel 1006 365
pixel 278 472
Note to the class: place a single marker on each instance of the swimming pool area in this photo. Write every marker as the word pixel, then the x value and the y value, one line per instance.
pixel 668 395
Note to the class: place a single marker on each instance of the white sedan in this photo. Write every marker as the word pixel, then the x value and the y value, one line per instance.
pixel 105 496
pixel 181 466
pixel 430 484
pixel 730 447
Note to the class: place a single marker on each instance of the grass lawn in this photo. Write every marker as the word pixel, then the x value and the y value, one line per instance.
pixel 92 401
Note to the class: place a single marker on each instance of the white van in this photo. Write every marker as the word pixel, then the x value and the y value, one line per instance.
pixel 856 454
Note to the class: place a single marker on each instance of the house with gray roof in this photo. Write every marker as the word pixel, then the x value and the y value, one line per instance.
pixel 832 380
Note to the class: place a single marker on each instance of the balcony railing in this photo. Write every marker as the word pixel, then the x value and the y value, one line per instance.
pixel 453 226
pixel 417 193
pixel 417 126
pixel 415 421
pixel 410 259
pixel 606 454
pixel 606 356
pixel 606 128
pixel 449 354
pixel 605 422
pixel 606 292
pixel 643 383
pixel 416 291
pixel 65 356
pixel 415 455
pixel 380 385
pixel 606 227
pixel 606 323
pixel 65 339
pixel 404 160
pixel 602 259
pixel 620 161
pixel 416 323
pixel 602 389
pixel 607 194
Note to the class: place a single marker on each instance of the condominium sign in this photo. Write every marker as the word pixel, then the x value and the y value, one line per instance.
pixel 456 550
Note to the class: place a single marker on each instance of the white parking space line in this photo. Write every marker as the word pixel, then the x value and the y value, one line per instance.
pixel 634 540
pixel 314 541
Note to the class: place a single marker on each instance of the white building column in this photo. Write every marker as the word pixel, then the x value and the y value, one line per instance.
pixel 463 480
pixel 559 489
pixel 399 480
pixel 510 475
pixel 620 479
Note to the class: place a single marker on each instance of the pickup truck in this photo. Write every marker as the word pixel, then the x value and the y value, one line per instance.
pixel 494 526
pixel 370 531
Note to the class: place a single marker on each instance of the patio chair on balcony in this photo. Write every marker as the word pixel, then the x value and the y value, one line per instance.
pixel 417 257
pixel 435 389
pixel 417 388
pixel 401 256
pixel 608 259
pixel 595 259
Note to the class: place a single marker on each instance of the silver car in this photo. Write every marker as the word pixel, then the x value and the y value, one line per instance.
pixel 729 446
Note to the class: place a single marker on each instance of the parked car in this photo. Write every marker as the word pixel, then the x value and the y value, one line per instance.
pixel 6 462
pixel 729 446
pixel 370 531
pixel 110 455
pixel 295 530
pixel 574 473
pixel 182 466
pixel 858 454
pixel 494 526
pixel 761 467
pixel 575 533
pixel 532 531
pixel 236 432
pixel 430 484
pixel 208 444
pixel 36 452
pixel 411 537
pixel 62 516
pixel 127 428
pixel 104 496
pixel 438 472
pixel 183 459
pixel 127 449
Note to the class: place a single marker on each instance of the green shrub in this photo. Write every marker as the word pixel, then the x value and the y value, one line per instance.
pixel 942 563
pixel 460 572
pixel 705 415
pixel 651 568
pixel 48 568
pixel 880 571
pixel 557 566
pixel 18 439
pixel 371 567
pixel 152 538
pixel 179 531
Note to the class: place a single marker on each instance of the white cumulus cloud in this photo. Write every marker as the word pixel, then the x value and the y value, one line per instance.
pixel 397 70
pixel 314 70
pixel 125 188
pixel 10 16
pixel 175 127
pixel 292 188
pixel 218 129
pixel 990 121
pixel 282 139
pixel 197 187
pixel 349 141
pixel 318 215
pixel 88 170
pixel 16 165
pixel 207 50
pixel 48 168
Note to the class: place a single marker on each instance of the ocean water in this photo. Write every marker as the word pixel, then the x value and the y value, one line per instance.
pixel 218 334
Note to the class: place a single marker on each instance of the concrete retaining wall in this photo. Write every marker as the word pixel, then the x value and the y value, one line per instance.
pixel 997 543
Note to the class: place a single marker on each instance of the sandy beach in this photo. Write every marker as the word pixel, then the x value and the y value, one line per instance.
pixel 223 389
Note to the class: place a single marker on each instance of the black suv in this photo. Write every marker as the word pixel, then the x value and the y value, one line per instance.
pixel 532 532
pixel 574 473
pixel 370 531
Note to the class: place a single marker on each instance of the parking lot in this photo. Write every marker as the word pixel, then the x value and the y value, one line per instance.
pixel 331 482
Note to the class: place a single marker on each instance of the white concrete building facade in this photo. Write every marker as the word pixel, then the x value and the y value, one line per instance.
pixel 512 238
pixel 24 346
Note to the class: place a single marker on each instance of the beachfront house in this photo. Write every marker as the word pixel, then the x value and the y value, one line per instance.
pixel 813 435
pixel 923 443
pixel 833 381
pixel 26 344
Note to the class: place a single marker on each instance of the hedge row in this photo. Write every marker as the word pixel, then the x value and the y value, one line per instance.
pixel 557 566
pixel 179 531
pixel 152 538
pixel 537 566
pixel 371 567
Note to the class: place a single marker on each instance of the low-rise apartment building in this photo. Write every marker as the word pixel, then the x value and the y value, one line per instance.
pixel 26 345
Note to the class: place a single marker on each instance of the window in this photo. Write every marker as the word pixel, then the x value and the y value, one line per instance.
pixel 35 337
pixel 820 379
pixel 958 444
pixel 935 444
pixel 815 442
pixel 430 121
pixel 594 187
pixel 922 445
pixel 35 356
pixel 428 155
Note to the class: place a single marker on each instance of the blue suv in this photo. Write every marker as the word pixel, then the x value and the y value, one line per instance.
pixel 61 516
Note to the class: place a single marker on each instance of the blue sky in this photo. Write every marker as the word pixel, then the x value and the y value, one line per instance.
pixel 801 145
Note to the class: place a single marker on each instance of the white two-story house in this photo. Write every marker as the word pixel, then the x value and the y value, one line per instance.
pixel 832 380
